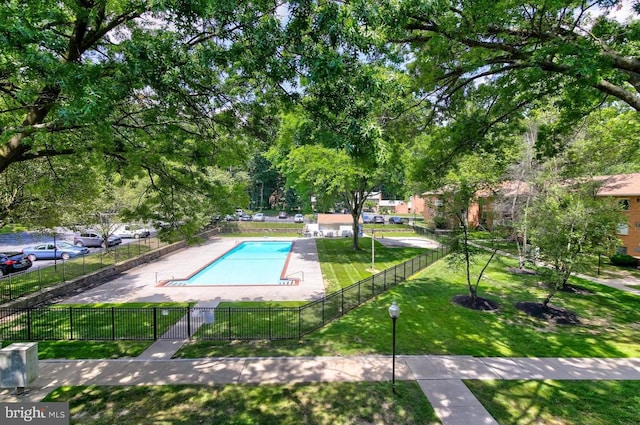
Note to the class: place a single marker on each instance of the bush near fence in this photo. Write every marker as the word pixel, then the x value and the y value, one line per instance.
pixel 231 323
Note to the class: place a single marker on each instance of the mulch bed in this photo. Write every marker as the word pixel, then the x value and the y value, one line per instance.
pixel 479 303
pixel 518 270
pixel 550 313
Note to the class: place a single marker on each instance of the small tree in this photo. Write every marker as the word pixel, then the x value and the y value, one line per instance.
pixel 568 223
pixel 457 202
pixel 474 174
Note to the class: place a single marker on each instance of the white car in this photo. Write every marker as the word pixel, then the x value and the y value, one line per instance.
pixel 298 218
pixel 258 217
pixel 132 231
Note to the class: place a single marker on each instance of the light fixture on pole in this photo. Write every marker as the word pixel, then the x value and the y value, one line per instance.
pixel 373 251
pixel 394 313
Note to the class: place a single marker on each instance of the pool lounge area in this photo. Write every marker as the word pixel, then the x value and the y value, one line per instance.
pixel 140 284
pixel 249 263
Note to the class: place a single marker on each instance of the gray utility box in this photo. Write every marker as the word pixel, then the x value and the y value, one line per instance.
pixel 18 364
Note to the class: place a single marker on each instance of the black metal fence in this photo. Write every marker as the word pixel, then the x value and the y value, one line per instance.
pixel 14 286
pixel 226 323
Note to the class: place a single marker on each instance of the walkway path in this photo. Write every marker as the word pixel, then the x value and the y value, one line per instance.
pixel 439 376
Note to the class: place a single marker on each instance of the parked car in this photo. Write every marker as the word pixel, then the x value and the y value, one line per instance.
pixel 367 219
pixel 298 218
pixel 258 217
pixel 282 214
pixel 51 251
pixel 395 220
pixel 114 240
pixel 230 217
pixel 245 217
pixel 379 219
pixel 90 239
pixel 13 262
pixel 69 245
pixel 132 231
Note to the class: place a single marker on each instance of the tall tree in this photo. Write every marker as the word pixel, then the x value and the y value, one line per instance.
pixel 161 90
pixel 521 50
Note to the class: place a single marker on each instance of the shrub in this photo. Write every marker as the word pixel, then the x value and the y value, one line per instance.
pixel 623 260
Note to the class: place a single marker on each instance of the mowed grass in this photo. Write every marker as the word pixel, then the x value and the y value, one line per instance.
pixel 431 324
pixel 560 402
pixel 342 266
pixel 318 404
pixel 101 320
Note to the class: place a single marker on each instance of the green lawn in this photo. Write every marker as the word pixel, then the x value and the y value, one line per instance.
pixel 431 324
pixel 342 266
pixel 560 402
pixel 317 404
pixel 590 265
pixel 98 321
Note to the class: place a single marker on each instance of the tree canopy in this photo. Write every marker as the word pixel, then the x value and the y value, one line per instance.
pixel 165 91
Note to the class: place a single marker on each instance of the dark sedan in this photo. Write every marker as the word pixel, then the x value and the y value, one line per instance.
pixel 13 262
pixel 395 220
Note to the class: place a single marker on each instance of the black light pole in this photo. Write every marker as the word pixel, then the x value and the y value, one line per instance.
pixel 394 313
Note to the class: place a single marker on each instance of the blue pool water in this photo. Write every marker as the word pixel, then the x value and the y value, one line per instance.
pixel 249 263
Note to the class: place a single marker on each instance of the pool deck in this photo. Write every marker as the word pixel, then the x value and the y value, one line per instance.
pixel 140 284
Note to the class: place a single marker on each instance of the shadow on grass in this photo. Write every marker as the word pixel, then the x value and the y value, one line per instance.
pixel 430 323
pixel 317 403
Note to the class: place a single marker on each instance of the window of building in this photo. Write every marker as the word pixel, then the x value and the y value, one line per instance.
pixel 624 204
pixel 623 229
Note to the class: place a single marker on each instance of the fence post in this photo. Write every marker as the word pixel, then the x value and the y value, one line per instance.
pixel 70 322
pixel 229 321
pixel 113 323
pixel 29 323
pixel 10 298
pixel 299 322
pixel 155 323
pixel 269 322
pixel 188 320
pixel 64 276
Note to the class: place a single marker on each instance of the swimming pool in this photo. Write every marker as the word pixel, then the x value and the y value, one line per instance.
pixel 248 263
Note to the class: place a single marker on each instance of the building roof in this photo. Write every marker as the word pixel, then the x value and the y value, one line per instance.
pixel 620 185
pixel 336 219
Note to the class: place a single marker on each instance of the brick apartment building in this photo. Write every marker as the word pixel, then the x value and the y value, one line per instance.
pixel 625 188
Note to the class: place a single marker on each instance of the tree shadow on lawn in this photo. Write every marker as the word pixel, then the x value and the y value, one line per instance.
pixel 549 313
pixel 477 303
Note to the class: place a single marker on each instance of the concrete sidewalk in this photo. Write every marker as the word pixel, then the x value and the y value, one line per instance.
pixel 440 377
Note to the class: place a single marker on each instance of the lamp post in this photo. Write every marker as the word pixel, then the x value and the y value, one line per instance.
pixel 394 313
pixel 373 251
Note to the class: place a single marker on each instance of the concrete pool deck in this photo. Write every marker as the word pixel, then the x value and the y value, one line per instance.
pixel 140 284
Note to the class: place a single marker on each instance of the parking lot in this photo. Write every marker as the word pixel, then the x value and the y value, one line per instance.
pixel 16 241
